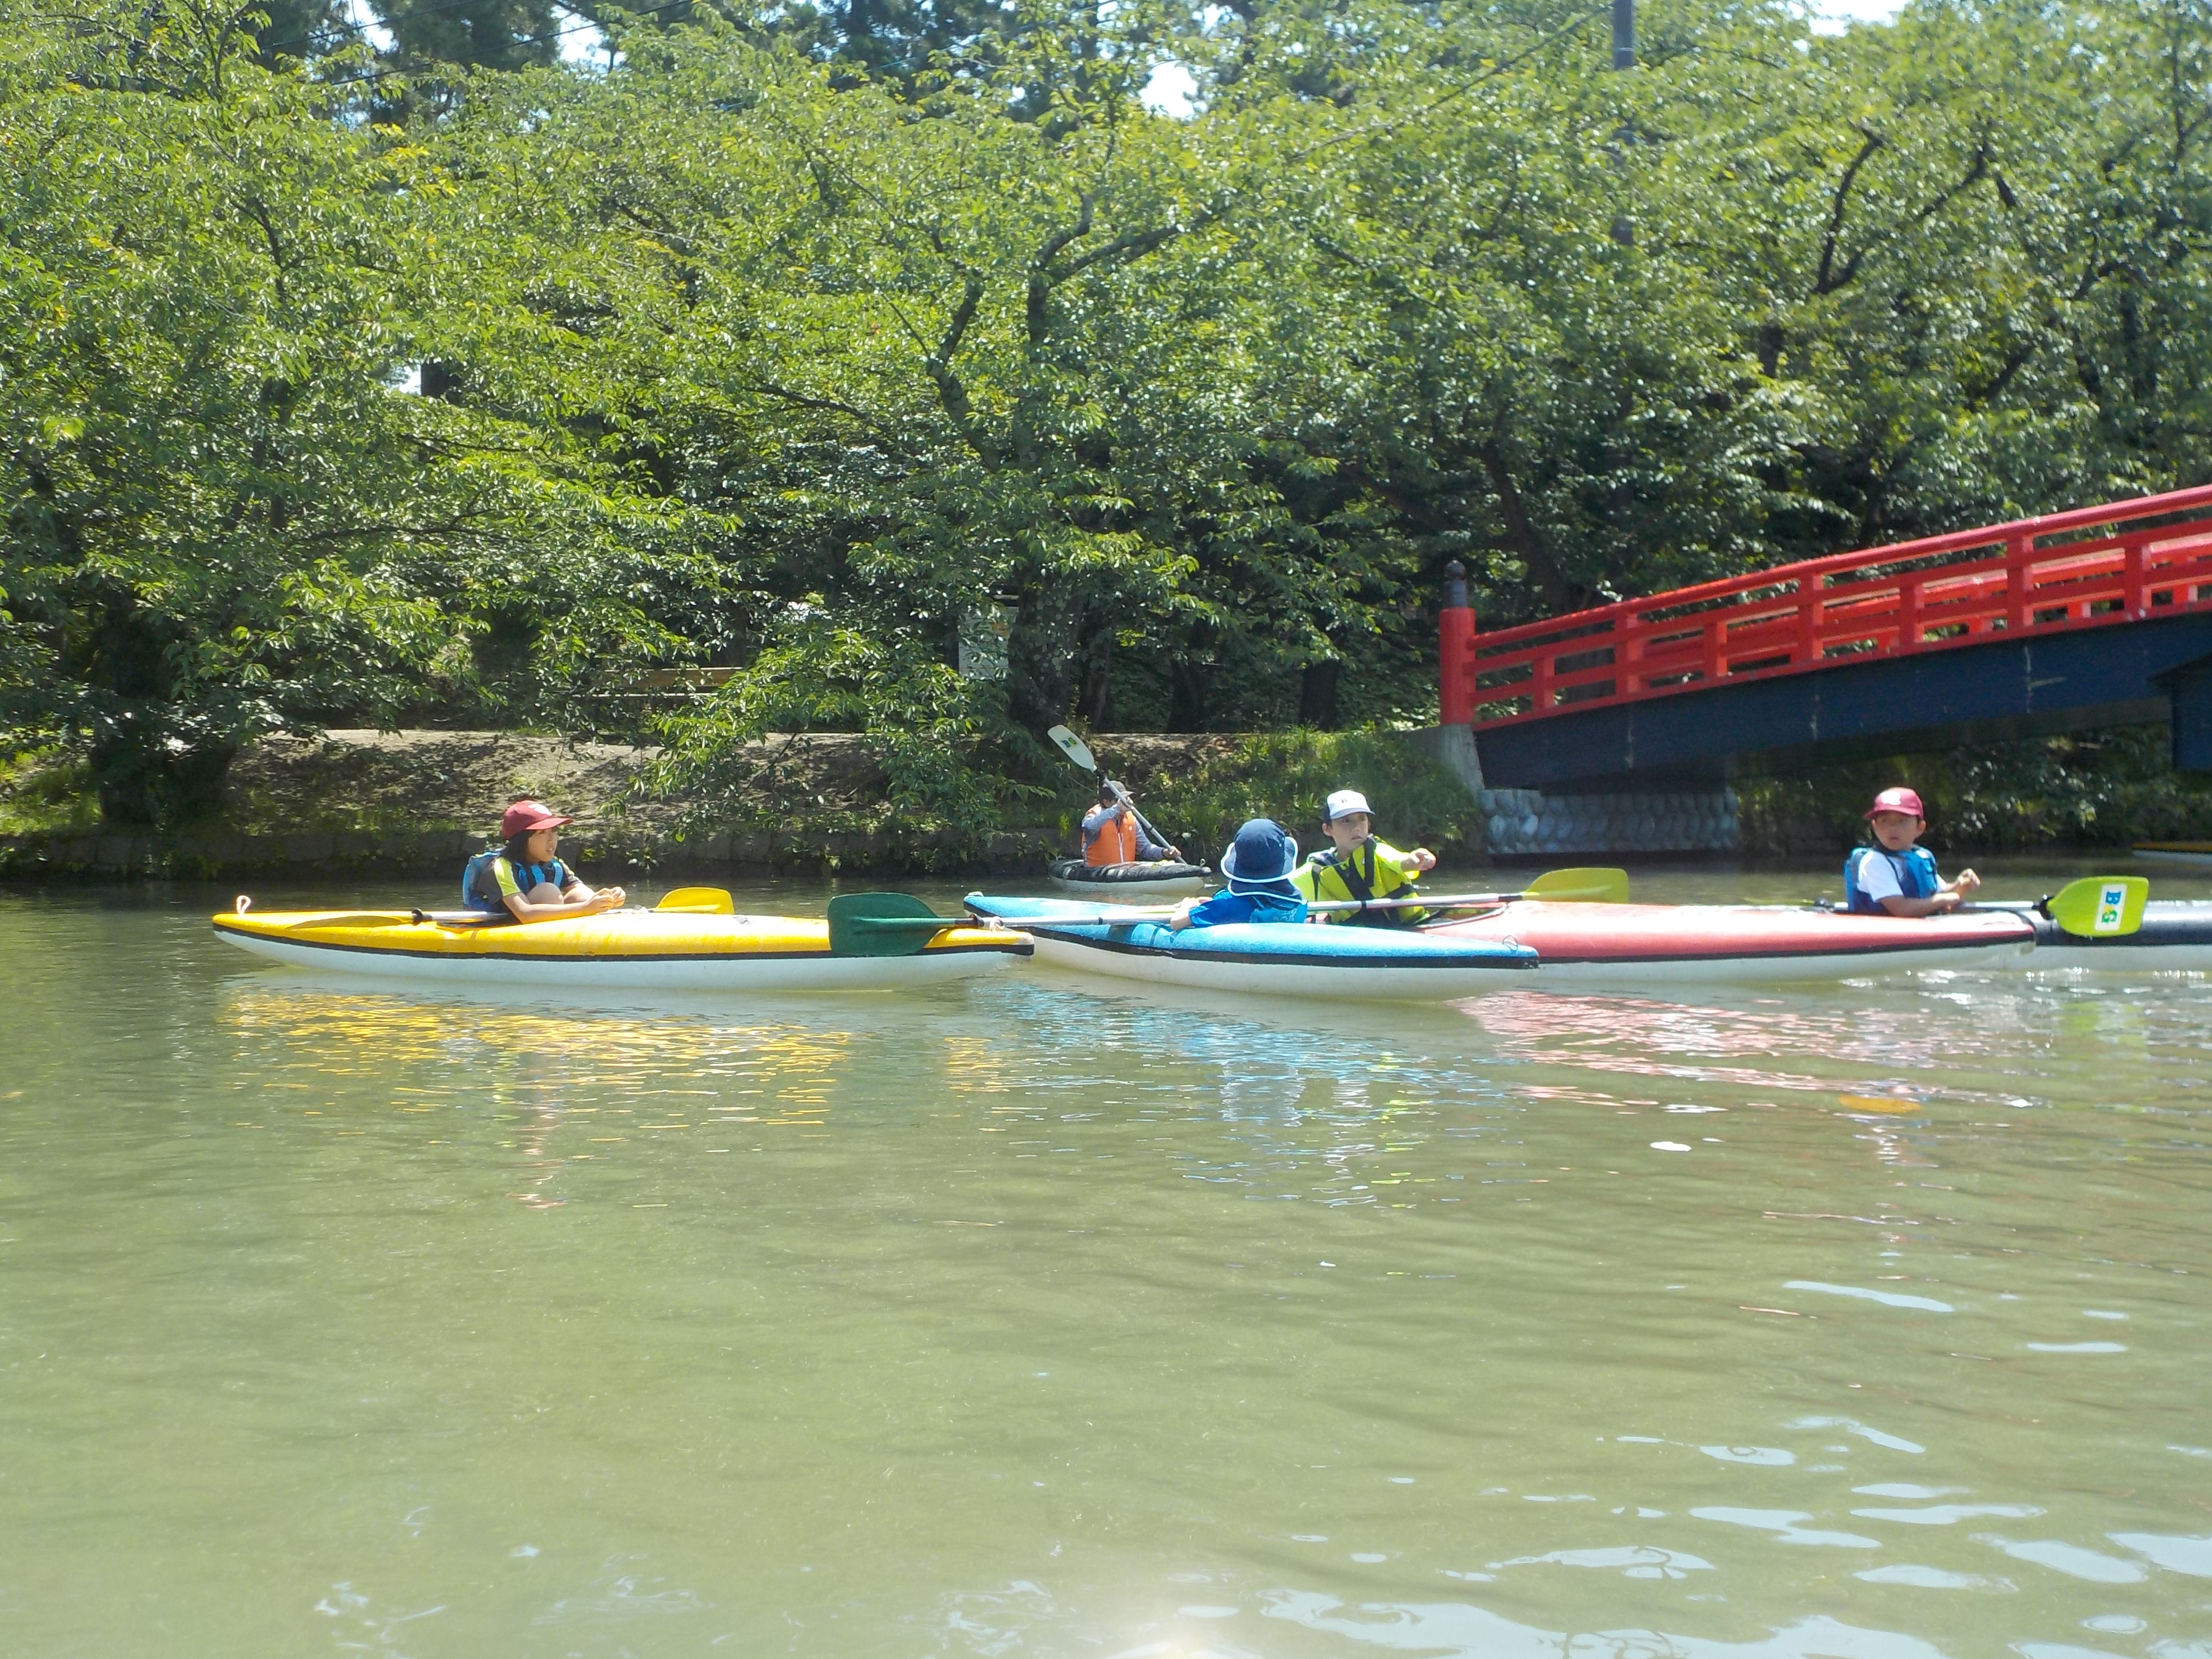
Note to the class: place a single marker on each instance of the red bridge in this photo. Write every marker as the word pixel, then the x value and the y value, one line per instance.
pixel 2102 616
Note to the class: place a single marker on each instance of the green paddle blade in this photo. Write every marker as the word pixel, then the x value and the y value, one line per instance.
pixel 2100 907
pixel 1597 886
pixel 884 925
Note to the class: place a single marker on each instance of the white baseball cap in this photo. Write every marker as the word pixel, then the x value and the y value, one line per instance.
pixel 1343 803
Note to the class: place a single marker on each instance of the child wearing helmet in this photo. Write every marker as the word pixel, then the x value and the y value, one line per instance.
pixel 1358 867
pixel 1893 877
pixel 524 877
pixel 1258 865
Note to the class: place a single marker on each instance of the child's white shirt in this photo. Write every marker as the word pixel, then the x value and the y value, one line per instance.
pixel 1878 876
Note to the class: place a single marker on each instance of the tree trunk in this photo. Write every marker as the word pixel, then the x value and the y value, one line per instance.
pixel 153 763
pixel 1042 660
pixel 1521 534
pixel 1096 704
pixel 1188 702
pixel 1317 694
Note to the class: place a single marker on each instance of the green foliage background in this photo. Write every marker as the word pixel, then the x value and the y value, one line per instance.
pixel 429 376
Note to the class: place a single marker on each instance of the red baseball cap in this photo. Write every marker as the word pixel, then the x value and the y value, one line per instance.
pixel 525 816
pixel 1892 800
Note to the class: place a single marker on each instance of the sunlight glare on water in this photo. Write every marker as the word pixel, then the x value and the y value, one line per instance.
pixel 1867 1322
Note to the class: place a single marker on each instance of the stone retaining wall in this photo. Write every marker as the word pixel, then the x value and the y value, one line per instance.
pixel 1528 824
pixel 444 851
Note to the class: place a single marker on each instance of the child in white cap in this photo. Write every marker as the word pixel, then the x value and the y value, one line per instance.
pixel 1893 877
pixel 1356 865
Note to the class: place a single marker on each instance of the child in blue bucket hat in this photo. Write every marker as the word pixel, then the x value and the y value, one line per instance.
pixel 1258 864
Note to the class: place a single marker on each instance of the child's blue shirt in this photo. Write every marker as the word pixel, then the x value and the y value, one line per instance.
pixel 1226 908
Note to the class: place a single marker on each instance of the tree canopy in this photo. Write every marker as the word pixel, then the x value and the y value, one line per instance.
pixel 426 374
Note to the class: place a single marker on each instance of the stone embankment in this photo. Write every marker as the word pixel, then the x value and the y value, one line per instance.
pixel 418 801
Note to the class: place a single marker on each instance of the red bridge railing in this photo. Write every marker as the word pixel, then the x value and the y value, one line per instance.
pixel 2090 568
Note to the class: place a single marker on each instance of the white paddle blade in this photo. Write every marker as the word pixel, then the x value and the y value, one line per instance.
pixel 1074 747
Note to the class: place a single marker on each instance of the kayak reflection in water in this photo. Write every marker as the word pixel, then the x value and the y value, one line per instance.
pixel 1258 865
pixel 524 877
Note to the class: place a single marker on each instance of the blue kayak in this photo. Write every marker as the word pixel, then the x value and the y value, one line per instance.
pixel 1374 963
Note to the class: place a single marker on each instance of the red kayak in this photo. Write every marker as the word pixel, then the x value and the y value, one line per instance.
pixel 1591 944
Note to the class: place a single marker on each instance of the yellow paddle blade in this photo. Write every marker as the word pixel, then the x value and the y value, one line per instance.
pixel 699 902
pixel 1596 886
pixel 2100 907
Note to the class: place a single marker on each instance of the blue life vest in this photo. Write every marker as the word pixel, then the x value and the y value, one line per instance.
pixel 480 887
pixel 1915 877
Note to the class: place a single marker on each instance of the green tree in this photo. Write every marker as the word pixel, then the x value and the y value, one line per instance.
pixel 223 514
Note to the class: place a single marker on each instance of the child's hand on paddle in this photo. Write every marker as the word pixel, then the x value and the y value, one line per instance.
pixel 1967 883
pixel 1421 859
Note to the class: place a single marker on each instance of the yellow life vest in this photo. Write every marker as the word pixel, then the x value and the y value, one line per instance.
pixel 1374 870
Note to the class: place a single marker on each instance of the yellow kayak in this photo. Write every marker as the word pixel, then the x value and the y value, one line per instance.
pixel 699 946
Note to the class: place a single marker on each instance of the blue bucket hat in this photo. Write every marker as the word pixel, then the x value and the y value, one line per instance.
pixel 1260 859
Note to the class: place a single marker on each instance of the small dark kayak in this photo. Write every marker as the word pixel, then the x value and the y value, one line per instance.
pixel 1118 881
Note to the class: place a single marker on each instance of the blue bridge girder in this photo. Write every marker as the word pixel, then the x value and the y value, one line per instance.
pixel 2121 674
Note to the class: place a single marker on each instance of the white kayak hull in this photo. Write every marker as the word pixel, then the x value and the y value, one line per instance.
pixel 1284 979
pixel 444 956
pixel 1781 970
pixel 2175 937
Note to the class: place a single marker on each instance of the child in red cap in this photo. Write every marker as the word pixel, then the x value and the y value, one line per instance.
pixel 1893 877
pixel 524 879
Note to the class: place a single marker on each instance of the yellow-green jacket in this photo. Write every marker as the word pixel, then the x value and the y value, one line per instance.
pixel 1375 870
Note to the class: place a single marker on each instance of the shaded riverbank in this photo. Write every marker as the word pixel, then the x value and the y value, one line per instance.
pixel 417 801
pixel 363 801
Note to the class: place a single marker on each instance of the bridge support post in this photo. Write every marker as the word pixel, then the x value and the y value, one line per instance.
pixel 2189 695
pixel 1454 651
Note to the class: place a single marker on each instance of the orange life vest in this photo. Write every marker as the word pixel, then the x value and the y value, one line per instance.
pixel 1114 843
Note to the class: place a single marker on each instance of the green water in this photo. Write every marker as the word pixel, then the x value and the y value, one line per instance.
pixel 1017 1320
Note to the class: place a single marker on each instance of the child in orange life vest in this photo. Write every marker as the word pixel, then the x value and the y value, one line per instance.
pixel 1111 834
pixel 1893 877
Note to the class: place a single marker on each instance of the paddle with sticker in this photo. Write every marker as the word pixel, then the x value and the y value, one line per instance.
pixel 2095 906
pixel 899 924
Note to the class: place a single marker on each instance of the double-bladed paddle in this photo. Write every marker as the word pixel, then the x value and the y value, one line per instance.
pixel 899 924
pixel 2095 906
